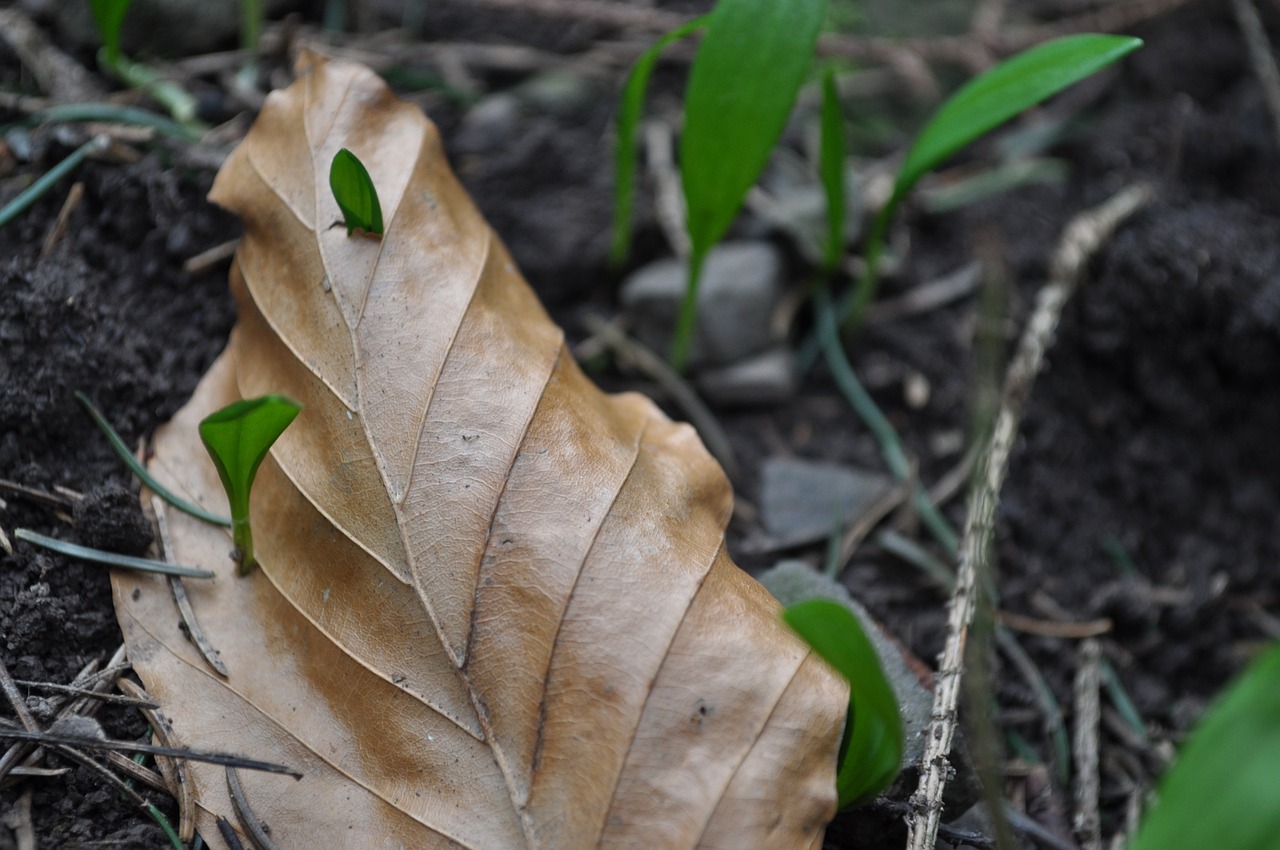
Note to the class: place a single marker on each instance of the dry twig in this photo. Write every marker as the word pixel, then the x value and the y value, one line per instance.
pixel 1088 717
pixel 1083 236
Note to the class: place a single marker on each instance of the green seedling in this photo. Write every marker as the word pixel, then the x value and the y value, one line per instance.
pixel 108 17
pixel 984 103
pixel 50 178
pixel 1222 791
pixel 742 85
pixel 624 159
pixel 356 196
pixel 871 750
pixel 238 437
pixel 831 172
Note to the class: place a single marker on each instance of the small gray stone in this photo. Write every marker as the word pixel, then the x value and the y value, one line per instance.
pixel 802 501
pixel 765 378
pixel 740 290
pixel 488 125
pixel 559 93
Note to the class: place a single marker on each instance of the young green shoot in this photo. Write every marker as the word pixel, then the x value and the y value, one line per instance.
pixel 624 159
pixel 742 85
pixel 831 173
pixel 980 106
pixel 108 17
pixel 871 750
pixel 356 196
pixel 238 437
pixel 1222 790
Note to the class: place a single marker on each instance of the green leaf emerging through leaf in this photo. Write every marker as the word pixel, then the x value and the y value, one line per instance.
pixel 108 17
pixel 1222 790
pixel 355 194
pixel 871 752
pixel 238 437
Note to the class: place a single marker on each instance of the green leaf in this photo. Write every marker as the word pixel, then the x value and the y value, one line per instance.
pixel 831 170
pixel 108 17
pixel 984 103
pixel 238 437
pixel 743 83
pixel 355 194
pixel 1222 791
pixel 871 752
pixel 741 89
pixel 995 96
pixel 624 160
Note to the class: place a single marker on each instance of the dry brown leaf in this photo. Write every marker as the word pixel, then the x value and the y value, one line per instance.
pixel 494 608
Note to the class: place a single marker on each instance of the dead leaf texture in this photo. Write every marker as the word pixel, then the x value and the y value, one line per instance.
pixel 494 607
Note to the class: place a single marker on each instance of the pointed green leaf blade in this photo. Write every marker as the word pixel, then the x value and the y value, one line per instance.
pixel 871 752
pixel 743 83
pixel 1222 792
pixel 630 108
pixel 992 98
pixel 108 17
pixel 354 191
pixel 238 437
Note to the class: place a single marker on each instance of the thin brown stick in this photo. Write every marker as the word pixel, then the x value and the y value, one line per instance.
pixel 61 77
pixel 18 819
pixel 60 224
pixel 137 772
pixel 1088 681
pixel 207 259
pixel 179 590
pixel 19 703
pixel 256 829
pixel 1082 238
pixel 173 770
pixel 1261 56
pixel 90 693
pixel 1054 628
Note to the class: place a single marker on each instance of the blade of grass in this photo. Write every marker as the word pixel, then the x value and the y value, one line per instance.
pixel 114 559
pixel 624 160
pixel 871 752
pixel 743 83
pixel 140 471
pixel 984 103
pixel 114 114
pixel 50 178
pixel 108 17
pixel 831 171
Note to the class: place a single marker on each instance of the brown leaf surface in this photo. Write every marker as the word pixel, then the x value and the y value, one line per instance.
pixel 494 608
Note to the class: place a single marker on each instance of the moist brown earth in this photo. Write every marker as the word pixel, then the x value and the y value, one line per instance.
pixel 1144 487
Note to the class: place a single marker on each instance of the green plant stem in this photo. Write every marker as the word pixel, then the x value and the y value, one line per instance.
pixel 251 17
pixel 242 534
pixel 173 97
pixel 870 414
pixel 140 471
pixel 47 180
pixel 682 339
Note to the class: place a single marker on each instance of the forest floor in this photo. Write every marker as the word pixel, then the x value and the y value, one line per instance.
pixel 1141 500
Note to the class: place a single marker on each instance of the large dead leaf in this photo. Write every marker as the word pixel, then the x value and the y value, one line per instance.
pixel 494 608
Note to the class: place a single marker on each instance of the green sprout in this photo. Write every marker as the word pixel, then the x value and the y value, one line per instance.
pixel 238 437
pixel 353 190
pixel 980 106
pixel 108 17
pixel 871 750
pixel 1222 790
pixel 742 85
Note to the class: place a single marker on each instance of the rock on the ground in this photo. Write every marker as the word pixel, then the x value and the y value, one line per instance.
pixel 802 501
pixel 740 291
pixel 765 378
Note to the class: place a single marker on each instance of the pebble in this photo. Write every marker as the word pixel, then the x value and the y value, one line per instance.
pixel 802 501
pixel 761 379
pixel 742 287
pixel 488 125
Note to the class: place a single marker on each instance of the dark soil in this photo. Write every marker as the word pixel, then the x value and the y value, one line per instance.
pixel 1144 488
